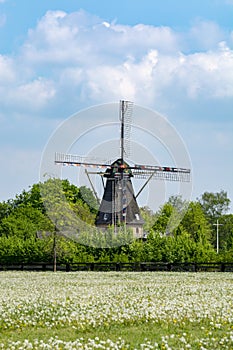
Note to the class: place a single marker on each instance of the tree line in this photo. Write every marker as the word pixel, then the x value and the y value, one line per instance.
pixel 57 218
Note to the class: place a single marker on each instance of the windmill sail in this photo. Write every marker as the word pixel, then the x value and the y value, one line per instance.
pixel 75 160
pixel 126 110
pixel 161 173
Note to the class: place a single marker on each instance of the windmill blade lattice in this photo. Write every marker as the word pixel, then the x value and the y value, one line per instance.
pixel 126 110
pixel 161 173
pixel 75 160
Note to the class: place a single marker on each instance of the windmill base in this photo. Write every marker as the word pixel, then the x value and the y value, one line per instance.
pixel 137 230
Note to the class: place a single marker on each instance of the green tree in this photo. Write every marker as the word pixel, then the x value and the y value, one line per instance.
pixel 89 199
pixel 226 232
pixel 54 207
pixel 167 220
pixel 153 247
pixel 178 203
pixel 24 222
pixel 149 218
pixel 196 224
pixel 5 209
pixel 214 204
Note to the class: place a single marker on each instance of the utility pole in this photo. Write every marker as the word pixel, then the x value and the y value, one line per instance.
pixel 217 238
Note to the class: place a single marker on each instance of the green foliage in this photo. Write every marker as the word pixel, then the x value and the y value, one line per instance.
pixel 196 223
pixel 178 232
pixel 5 209
pixel 163 220
pixel 225 232
pixel 24 222
pixel 87 197
pixel 148 217
pixel 215 207
pixel 214 204
pixel 15 250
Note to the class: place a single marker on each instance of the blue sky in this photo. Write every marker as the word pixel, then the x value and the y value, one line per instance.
pixel 59 57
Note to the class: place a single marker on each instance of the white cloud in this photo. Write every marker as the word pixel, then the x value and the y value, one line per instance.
pixel 78 58
pixel 80 38
pixel 207 75
pixel 106 24
pixel 6 70
pixel 33 95
pixel 205 35
pixel 124 58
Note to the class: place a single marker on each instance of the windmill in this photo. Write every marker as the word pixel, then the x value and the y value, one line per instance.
pixel 119 203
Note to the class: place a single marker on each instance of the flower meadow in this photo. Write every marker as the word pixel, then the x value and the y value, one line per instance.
pixel 116 310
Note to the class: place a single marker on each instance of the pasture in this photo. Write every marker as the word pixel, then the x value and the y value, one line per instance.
pixel 116 310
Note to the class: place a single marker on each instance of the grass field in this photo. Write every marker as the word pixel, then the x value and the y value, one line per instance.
pixel 112 310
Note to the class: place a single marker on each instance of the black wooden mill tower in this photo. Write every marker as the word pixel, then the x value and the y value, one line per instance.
pixel 119 205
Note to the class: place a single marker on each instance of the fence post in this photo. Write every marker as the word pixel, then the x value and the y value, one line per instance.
pixel 222 267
